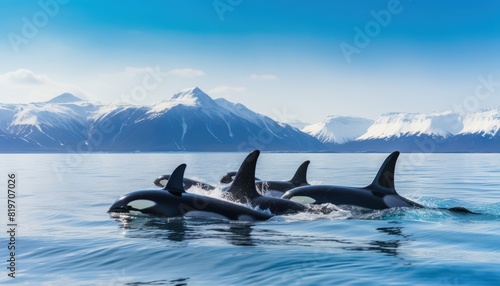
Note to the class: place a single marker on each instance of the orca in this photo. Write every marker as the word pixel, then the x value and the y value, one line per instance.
pixel 229 177
pixel 188 183
pixel 173 201
pixel 243 190
pixel 380 194
pixel 276 188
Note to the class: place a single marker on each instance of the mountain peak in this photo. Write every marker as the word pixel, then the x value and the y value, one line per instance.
pixel 64 98
pixel 192 94
pixel 193 97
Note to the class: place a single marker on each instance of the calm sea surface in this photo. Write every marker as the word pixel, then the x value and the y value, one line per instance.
pixel 65 237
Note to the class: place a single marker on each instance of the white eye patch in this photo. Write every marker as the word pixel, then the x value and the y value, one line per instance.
pixel 303 200
pixel 141 204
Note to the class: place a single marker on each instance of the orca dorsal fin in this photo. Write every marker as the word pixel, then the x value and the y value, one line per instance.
pixel 300 177
pixel 385 176
pixel 176 182
pixel 243 185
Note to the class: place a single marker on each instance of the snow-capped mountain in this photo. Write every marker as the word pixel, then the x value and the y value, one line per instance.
pixel 409 124
pixel 338 129
pixel 485 123
pixel 435 132
pixel 411 132
pixel 61 121
pixel 446 124
pixel 190 120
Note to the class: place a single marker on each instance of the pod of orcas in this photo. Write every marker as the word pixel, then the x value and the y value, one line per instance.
pixel 273 188
pixel 276 188
pixel 245 198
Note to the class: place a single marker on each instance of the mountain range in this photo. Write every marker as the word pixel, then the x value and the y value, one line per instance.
pixel 192 121
pixel 413 132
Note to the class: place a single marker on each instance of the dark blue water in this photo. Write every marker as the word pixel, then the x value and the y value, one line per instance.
pixel 65 236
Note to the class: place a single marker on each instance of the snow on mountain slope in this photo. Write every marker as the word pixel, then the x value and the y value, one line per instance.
pixel 47 115
pixel 267 125
pixel 414 124
pixel 239 110
pixel 193 97
pixel 242 111
pixel 484 123
pixel 58 122
pixel 6 115
pixel 338 129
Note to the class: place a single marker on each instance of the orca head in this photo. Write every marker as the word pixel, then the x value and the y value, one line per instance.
pixel 227 178
pixel 144 202
pixel 158 180
pixel 157 202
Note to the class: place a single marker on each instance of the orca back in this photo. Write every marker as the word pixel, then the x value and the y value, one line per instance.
pixel 243 186
pixel 300 177
pixel 175 184
pixel 384 180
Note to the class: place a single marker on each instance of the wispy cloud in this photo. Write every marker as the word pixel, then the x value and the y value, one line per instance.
pixel 263 77
pixel 227 89
pixel 36 86
pixel 187 72
pixel 22 77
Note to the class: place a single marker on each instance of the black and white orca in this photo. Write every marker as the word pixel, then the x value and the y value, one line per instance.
pixel 243 190
pixel 380 194
pixel 173 201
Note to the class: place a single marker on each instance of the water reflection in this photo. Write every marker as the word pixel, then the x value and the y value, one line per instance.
pixel 181 229
pixel 174 282
pixel 171 229
pixel 238 234
pixel 389 247
pixel 249 234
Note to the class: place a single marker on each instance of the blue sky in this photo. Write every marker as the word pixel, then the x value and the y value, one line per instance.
pixel 299 61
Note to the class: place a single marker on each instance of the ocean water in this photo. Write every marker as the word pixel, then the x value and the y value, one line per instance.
pixel 65 237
